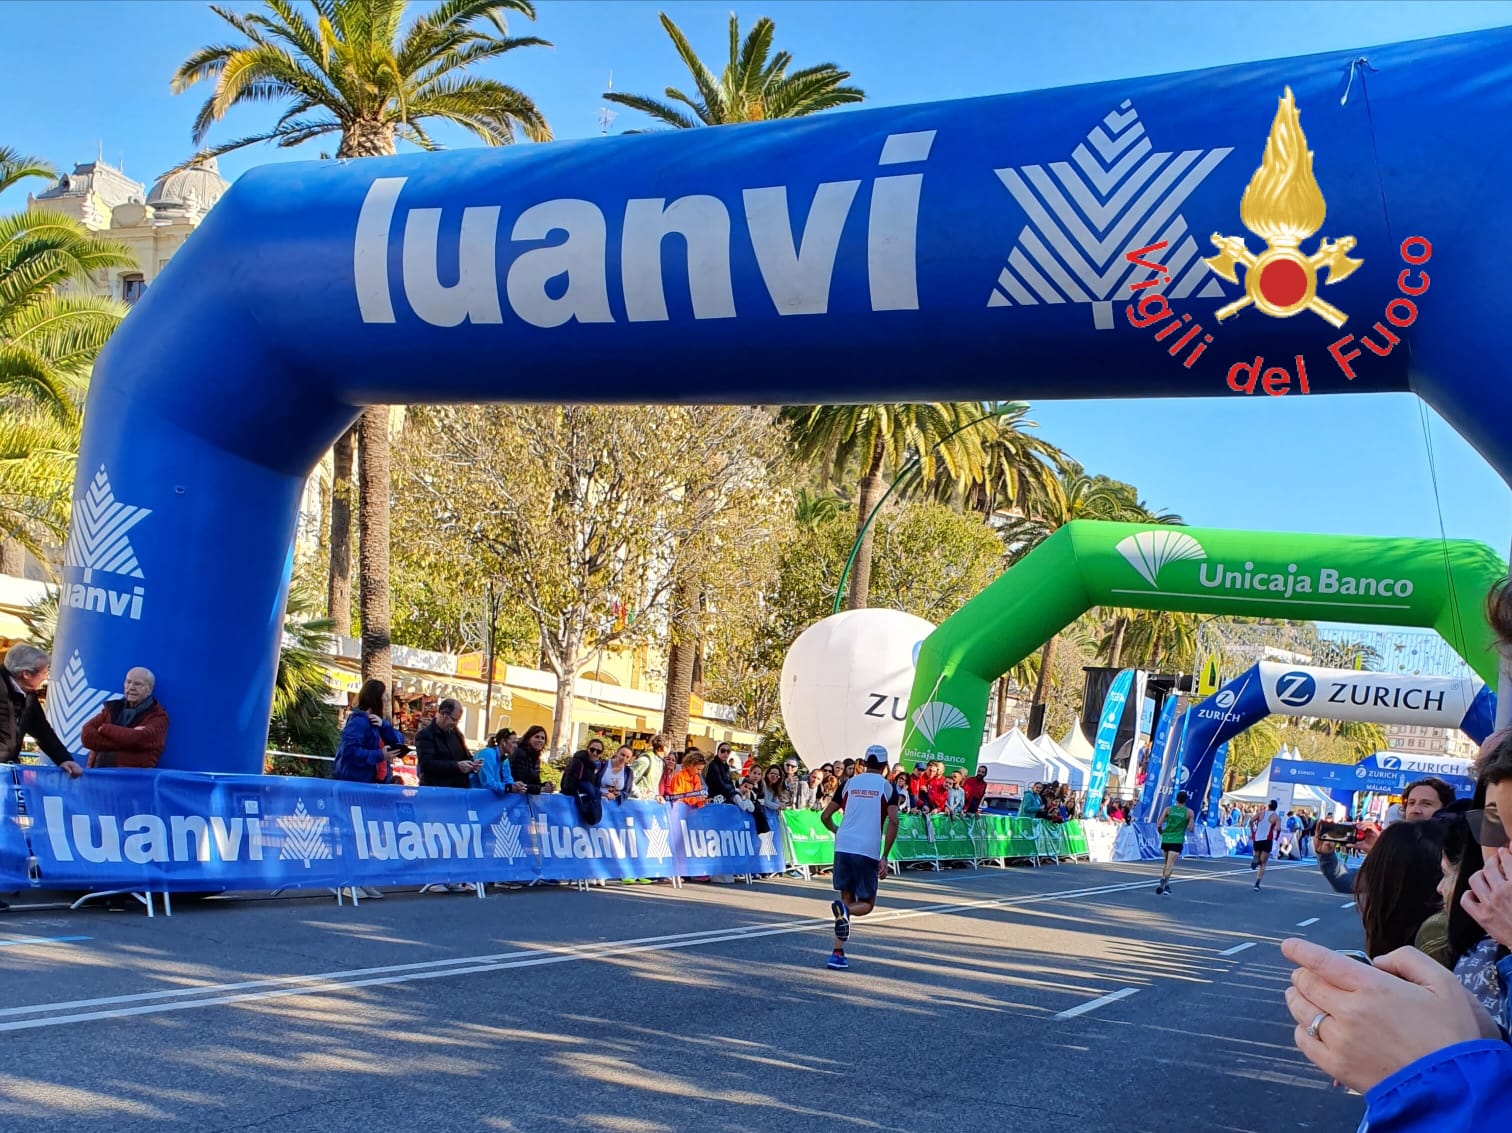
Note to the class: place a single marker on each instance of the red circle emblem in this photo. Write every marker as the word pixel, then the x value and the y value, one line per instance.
pixel 1283 282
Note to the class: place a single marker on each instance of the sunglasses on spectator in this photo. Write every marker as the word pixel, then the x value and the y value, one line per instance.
pixel 1487 828
pixel 594 749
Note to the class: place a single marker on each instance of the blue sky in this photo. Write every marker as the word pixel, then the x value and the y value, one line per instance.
pixel 1352 465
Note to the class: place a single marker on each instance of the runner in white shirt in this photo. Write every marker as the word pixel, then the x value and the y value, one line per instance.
pixel 870 803
pixel 1267 825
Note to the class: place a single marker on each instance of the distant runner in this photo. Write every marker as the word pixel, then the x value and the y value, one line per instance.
pixel 870 803
pixel 1174 824
pixel 1266 826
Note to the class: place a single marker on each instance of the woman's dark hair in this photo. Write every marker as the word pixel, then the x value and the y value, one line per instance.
pixel 1499 611
pixel 530 733
pixel 1495 766
pixel 372 696
pixel 1397 886
pixel 766 776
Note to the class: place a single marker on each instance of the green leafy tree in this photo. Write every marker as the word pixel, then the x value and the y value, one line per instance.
pixel 351 68
pixel 49 340
pixel 879 438
pixel 755 85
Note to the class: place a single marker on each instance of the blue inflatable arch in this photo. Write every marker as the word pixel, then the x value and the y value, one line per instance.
pixel 1048 244
pixel 1271 688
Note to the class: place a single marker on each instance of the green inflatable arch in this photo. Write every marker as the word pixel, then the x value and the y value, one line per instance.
pixel 1434 583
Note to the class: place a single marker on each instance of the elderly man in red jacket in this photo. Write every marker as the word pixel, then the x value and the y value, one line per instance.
pixel 131 731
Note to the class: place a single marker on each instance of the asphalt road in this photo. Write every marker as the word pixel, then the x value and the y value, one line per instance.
pixel 643 1009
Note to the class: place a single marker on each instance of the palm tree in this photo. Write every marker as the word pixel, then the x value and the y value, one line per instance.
pixel 1332 654
pixel 355 72
pixel 1078 496
pixel 812 511
pixel 1019 472
pixel 880 437
pixel 49 340
pixel 302 719
pixel 754 86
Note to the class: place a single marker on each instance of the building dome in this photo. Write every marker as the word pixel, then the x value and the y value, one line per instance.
pixel 191 190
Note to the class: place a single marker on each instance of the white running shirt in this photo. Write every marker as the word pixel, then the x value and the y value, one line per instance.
pixel 1266 826
pixel 864 798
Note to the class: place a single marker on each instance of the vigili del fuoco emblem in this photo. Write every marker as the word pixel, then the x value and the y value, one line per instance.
pixel 1284 206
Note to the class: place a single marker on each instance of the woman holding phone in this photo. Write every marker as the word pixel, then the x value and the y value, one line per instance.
pixel 369 743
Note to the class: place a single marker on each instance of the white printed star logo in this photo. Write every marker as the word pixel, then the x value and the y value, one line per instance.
pixel 1085 215
pixel 305 836
pixel 97 536
pixel 506 839
pixel 71 702
pixel 766 845
pixel 658 842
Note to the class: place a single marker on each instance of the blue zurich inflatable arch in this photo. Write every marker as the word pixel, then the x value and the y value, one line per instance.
pixel 1270 688
pixel 1048 244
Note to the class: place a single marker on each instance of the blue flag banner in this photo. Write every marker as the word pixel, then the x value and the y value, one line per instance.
pixel 1357 777
pixel 1156 765
pixel 1212 813
pixel 164 830
pixel 1107 731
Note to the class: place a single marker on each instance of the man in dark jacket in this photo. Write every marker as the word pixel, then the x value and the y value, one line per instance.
pixel 130 731
pixel 21 678
pixel 441 752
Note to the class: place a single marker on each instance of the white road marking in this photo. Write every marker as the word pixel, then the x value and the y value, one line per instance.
pixel 1347 905
pixel 1308 921
pixel 1100 1001
pixel 1238 948
pixel 332 982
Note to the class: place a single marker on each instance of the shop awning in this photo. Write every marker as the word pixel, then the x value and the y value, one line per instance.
pixel 593 712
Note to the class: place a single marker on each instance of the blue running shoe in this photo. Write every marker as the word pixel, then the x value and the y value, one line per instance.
pixel 842 920
pixel 837 961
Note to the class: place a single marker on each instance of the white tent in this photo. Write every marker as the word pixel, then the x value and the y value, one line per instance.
pixel 1061 765
pixel 1010 758
pixel 1077 746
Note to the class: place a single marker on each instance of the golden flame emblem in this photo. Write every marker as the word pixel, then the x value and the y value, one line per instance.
pixel 1283 205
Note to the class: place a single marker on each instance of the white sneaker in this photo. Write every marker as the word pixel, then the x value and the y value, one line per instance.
pixel 370 894
pixel 460 888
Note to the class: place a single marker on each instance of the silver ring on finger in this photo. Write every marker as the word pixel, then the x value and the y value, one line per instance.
pixel 1312 1028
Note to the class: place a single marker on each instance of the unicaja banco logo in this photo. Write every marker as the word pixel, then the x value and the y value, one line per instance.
pixel 1283 205
pixel 935 716
pixel 98 543
pixel 306 836
pixel 1150 551
pixel 1087 215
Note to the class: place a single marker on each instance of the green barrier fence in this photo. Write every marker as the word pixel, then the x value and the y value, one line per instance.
pixel 928 838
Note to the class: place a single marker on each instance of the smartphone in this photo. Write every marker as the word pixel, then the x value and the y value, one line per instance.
pixel 1356 954
pixel 1340 833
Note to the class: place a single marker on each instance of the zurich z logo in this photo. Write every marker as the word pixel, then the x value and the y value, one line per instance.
pixel 1296 689
pixel 1390 763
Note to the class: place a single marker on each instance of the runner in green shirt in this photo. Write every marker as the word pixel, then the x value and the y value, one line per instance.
pixel 1174 824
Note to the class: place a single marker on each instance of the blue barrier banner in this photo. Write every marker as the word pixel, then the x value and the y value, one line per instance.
pixel 13 851
pixel 1107 731
pixel 1357 777
pixel 165 830
pixel 1213 811
pixel 718 839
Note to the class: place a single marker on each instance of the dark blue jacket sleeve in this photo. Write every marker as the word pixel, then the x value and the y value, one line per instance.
pixel 1467 1086
pixel 390 735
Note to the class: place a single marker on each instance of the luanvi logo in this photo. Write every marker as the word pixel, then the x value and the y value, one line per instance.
pixel 1086 215
pixel 97 541
pixel 71 701
pixel 504 267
